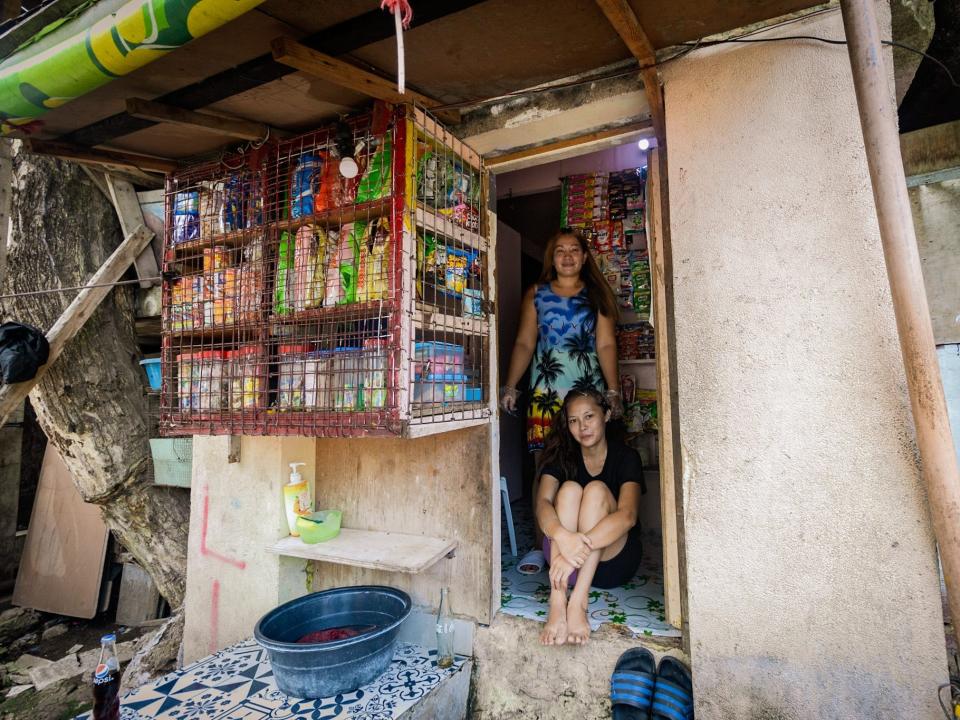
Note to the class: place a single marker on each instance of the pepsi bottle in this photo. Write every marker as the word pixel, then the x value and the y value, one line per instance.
pixel 106 681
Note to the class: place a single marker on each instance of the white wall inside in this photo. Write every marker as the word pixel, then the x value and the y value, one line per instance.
pixel 547 177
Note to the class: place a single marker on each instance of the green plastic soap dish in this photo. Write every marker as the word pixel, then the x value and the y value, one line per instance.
pixel 319 526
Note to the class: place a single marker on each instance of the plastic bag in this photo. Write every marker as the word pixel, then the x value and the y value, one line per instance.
pixel 283 295
pixel 186 217
pixel 304 182
pixel 23 349
pixel 375 183
pixel 372 267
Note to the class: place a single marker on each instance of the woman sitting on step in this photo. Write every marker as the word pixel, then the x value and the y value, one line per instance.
pixel 587 504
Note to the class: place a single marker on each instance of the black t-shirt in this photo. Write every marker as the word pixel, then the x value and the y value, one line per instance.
pixel 622 465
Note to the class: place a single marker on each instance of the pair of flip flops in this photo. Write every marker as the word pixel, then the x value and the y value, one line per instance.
pixel 639 690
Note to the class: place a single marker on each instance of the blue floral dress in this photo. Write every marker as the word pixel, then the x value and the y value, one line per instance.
pixel 565 358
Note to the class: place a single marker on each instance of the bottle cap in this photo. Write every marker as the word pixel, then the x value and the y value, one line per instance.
pixel 108 638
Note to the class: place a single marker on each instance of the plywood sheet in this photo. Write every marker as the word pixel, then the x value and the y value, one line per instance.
pixel 62 561
pixel 439 486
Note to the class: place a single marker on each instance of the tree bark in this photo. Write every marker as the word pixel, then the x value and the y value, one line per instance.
pixel 91 403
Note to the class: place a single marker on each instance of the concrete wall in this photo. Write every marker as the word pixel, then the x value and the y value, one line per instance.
pixel 236 511
pixel 936 217
pixel 811 574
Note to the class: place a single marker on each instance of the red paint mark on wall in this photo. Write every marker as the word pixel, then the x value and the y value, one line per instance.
pixel 204 523
pixel 214 616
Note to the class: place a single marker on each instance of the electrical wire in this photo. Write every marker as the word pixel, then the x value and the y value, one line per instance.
pixel 77 287
pixel 687 49
pixel 828 41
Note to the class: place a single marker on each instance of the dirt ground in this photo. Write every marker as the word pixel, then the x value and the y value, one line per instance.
pixel 66 698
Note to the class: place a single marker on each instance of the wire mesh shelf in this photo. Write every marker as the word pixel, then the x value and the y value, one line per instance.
pixel 332 284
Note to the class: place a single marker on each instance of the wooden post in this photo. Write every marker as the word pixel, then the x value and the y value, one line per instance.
pixel 668 461
pixel 878 118
pixel 76 314
pixel 127 205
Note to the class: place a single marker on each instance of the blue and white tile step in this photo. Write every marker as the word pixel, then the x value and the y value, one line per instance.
pixel 237 683
pixel 638 605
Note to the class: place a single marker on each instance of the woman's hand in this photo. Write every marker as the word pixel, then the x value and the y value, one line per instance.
pixel 560 572
pixel 616 404
pixel 508 399
pixel 574 547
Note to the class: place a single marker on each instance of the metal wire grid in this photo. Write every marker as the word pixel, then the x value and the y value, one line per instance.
pixel 452 313
pixel 288 303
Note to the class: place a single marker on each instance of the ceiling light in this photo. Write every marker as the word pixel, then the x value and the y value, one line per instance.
pixel 643 144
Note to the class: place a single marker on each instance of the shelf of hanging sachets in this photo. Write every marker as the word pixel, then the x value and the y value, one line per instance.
pixel 349 276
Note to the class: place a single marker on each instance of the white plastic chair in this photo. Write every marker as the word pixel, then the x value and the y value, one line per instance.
pixel 505 495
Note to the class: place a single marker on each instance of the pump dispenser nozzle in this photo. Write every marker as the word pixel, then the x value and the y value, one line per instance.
pixel 295 476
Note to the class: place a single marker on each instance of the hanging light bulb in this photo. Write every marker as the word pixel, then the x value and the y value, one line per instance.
pixel 643 144
pixel 344 143
pixel 348 167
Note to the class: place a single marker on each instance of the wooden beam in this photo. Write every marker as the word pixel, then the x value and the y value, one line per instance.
pixel 931 150
pixel 336 71
pixel 231 127
pixel 127 205
pixel 76 314
pixel 625 22
pixel 107 158
pixel 365 29
pixel 667 460
pixel 628 27
pixel 591 137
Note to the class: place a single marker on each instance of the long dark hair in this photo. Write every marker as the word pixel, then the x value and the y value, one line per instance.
pixel 599 293
pixel 561 450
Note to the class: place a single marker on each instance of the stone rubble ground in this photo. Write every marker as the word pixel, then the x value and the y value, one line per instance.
pixel 33 687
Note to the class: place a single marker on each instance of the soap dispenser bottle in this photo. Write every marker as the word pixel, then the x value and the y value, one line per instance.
pixel 296 498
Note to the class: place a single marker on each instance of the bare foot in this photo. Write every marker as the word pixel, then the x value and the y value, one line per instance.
pixel 578 629
pixel 555 632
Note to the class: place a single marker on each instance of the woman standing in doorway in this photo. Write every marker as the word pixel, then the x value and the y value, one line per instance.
pixel 567 327
pixel 587 505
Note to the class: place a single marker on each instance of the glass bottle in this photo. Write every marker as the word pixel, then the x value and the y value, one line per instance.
pixel 445 631
pixel 106 681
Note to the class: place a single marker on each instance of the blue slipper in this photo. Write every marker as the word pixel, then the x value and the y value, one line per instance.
pixel 632 685
pixel 673 695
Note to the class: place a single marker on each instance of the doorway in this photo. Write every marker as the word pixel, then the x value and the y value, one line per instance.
pixel 532 204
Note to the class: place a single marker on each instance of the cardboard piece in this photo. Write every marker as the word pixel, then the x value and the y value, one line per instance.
pixel 63 557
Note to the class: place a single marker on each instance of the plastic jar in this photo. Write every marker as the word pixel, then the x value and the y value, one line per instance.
pixel 291 381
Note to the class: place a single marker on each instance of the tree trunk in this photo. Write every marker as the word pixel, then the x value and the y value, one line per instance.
pixel 91 403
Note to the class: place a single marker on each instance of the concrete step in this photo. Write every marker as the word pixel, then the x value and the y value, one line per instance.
pixel 514 676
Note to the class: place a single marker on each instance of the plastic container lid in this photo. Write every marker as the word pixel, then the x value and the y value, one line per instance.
pixel 445 377
pixel 437 346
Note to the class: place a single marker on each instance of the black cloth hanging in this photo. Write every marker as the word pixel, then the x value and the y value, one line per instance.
pixel 23 349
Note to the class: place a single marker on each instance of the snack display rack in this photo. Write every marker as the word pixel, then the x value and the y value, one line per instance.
pixel 300 301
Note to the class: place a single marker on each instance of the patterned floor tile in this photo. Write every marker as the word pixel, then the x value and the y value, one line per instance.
pixel 237 683
pixel 638 605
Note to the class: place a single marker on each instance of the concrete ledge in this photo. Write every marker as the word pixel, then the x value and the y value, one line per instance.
pixel 448 701
pixel 516 677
